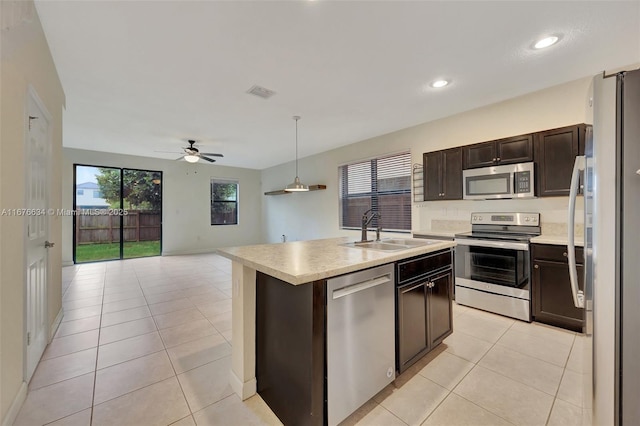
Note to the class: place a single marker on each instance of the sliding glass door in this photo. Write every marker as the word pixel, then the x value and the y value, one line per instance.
pixel 117 213
pixel 142 226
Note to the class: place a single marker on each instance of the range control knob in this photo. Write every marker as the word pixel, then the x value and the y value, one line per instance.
pixel 527 219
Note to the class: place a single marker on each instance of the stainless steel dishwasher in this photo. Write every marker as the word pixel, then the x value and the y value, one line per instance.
pixel 360 339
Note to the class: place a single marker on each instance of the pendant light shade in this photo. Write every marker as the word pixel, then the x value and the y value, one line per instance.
pixel 191 158
pixel 296 186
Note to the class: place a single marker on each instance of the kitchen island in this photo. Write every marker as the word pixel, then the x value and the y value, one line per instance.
pixel 295 274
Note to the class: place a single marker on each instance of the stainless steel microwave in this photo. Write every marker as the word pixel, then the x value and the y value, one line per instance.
pixel 508 181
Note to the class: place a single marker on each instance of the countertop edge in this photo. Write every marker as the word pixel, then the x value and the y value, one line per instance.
pixel 310 277
pixel 557 240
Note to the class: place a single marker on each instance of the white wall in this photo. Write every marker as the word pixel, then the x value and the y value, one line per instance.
pixel 315 214
pixel 26 61
pixel 186 218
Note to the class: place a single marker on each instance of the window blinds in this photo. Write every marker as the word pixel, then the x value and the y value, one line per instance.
pixel 382 184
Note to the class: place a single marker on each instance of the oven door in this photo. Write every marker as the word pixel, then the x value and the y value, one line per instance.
pixel 500 267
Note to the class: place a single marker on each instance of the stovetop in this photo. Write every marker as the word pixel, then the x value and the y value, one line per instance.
pixel 503 226
pixel 508 236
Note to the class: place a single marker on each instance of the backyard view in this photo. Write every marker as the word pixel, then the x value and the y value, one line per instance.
pixel 114 206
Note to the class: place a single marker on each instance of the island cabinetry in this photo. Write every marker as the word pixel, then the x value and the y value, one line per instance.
pixel 552 298
pixel 424 316
pixel 443 175
pixel 290 349
pixel 515 149
pixel 555 153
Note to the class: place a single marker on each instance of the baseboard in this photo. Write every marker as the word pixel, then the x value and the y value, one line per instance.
pixel 67 263
pixel 14 409
pixel 56 324
pixel 183 252
pixel 243 390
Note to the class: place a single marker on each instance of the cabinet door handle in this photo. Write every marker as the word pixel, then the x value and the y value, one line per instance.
pixel 536 266
pixel 494 159
pixel 498 159
pixel 564 254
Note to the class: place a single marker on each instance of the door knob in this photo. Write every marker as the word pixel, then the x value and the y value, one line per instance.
pixel 638 172
pixel 47 244
pixel 536 266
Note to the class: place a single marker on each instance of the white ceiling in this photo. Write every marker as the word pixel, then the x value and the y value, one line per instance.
pixel 143 76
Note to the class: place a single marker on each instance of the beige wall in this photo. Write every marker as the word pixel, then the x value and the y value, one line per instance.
pixel 186 218
pixel 315 214
pixel 25 60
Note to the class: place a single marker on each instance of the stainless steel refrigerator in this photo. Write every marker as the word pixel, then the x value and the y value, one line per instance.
pixel 611 297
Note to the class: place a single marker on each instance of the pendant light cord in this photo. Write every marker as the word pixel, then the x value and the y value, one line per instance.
pixel 296 118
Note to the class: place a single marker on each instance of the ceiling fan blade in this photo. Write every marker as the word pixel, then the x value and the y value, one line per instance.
pixel 179 158
pixel 211 160
pixel 168 152
pixel 213 154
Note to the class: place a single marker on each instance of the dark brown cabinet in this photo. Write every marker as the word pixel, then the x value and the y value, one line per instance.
pixel 552 297
pixel 443 175
pixel 515 149
pixel 439 315
pixel 424 306
pixel 554 153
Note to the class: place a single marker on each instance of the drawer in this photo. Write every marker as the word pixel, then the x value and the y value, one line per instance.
pixel 555 253
pixel 418 267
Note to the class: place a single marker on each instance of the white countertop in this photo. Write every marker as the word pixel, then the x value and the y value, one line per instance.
pixel 559 240
pixel 301 262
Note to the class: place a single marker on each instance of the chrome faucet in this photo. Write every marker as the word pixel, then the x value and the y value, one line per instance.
pixel 366 220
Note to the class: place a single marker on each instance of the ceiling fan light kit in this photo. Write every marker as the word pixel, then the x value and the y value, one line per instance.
pixel 193 154
pixel 296 186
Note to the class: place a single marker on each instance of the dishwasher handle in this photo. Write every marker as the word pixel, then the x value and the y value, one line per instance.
pixel 354 288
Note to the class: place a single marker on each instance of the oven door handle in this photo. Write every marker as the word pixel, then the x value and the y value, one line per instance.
pixel 492 244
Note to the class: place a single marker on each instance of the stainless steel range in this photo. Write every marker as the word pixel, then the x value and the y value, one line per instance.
pixel 492 263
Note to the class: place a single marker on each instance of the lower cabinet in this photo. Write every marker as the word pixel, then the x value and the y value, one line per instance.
pixel 552 298
pixel 424 316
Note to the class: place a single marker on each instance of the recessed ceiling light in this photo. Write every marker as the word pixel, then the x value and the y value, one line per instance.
pixel 439 83
pixel 546 42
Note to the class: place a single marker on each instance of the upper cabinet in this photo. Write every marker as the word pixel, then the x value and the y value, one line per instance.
pixel 443 175
pixel 516 149
pixel 555 152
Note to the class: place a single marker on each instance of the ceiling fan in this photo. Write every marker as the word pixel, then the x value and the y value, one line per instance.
pixel 193 154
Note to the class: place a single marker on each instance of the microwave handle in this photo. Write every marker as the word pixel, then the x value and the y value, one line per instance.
pixel 578 295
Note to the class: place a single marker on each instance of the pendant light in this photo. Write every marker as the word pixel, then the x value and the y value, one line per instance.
pixel 296 186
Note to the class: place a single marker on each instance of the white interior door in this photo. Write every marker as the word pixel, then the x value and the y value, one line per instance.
pixel 37 232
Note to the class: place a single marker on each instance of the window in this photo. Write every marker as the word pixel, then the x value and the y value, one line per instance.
pixel 80 192
pixel 381 184
pixel 97 194
pixel 224 202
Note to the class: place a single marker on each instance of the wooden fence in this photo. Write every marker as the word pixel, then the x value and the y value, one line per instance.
pixel 138 225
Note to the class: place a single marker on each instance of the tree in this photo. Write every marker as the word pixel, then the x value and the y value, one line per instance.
pixel 139 190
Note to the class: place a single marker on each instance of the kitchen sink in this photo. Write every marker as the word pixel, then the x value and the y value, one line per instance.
pixel 378 245
pixel 413 242
pixel 391 244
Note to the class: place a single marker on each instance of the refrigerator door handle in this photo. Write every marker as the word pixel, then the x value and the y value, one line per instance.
pixel 578 295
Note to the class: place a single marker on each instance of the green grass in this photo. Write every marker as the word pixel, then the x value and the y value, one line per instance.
pixel 94 252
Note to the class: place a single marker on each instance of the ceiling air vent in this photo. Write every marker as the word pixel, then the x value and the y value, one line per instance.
pixel 261 92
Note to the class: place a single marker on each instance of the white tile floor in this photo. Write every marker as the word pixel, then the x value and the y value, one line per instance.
pixel 148 342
